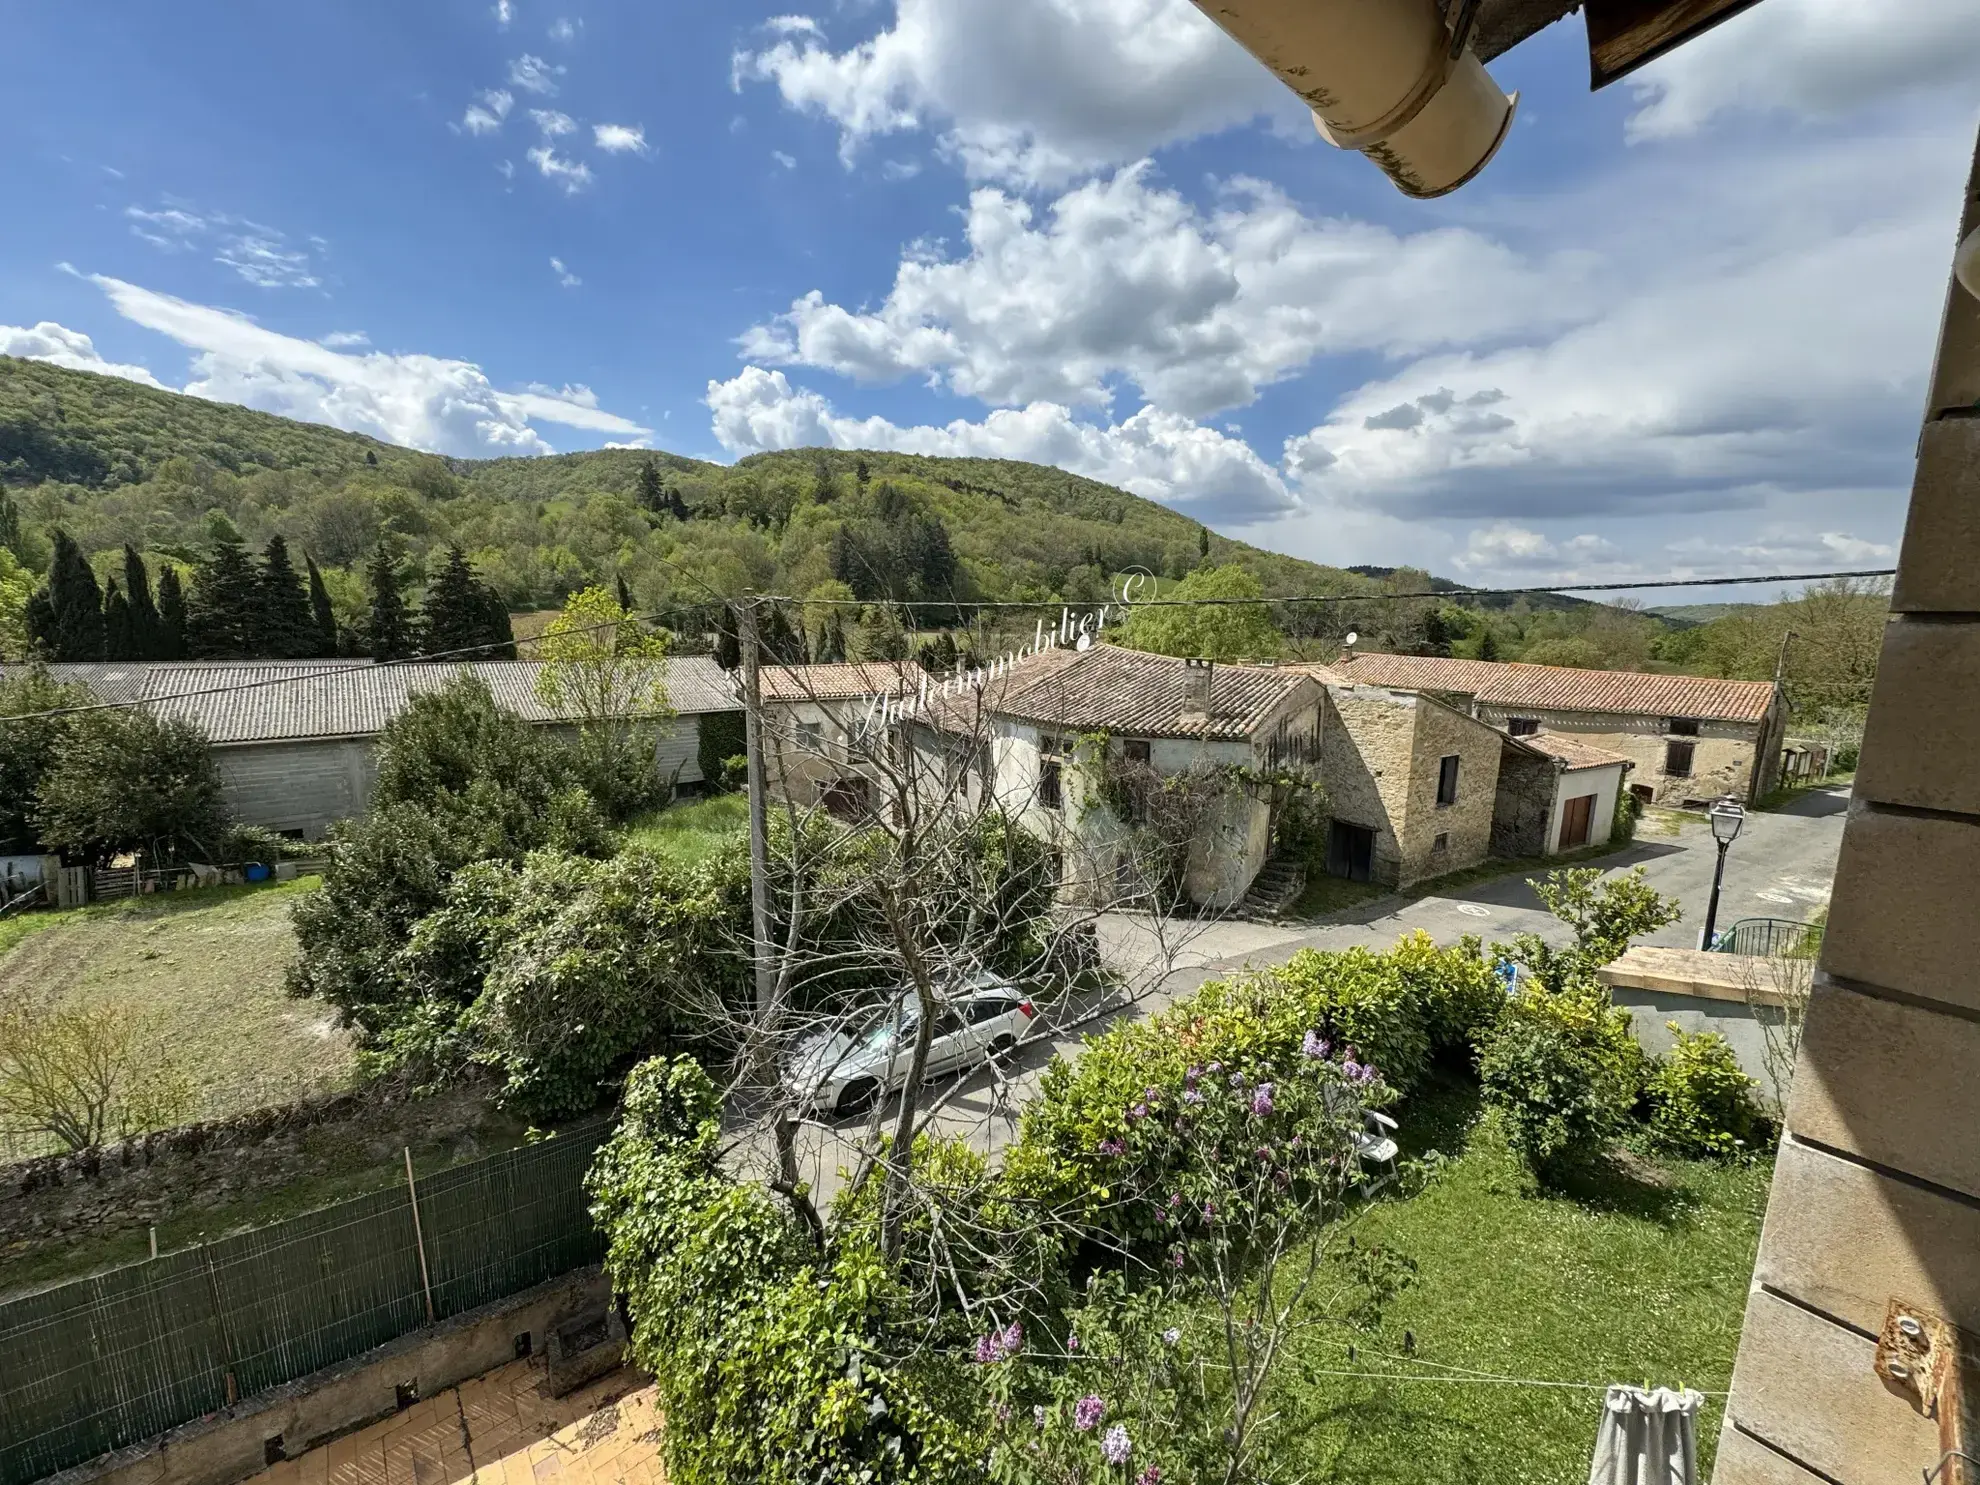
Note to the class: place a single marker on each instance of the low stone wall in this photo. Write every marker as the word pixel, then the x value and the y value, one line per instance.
pixel 305 1414
pixel 147 1179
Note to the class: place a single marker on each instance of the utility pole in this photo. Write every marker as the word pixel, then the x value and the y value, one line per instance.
pixel 759 808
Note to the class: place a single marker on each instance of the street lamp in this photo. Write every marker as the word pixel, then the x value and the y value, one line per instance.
pixel 1727 816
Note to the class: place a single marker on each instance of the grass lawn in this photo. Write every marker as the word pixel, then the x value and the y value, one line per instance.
pixel 691 833
pixel 1638 1273
pixel 204 968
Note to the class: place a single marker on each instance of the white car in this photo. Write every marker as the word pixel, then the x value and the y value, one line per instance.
pixel 845 1072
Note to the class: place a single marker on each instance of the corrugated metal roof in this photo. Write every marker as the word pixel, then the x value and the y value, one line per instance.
pixel 1135 694
pixel 1573 751
pixel 1563 688
pixel 239 702
pixel 847 682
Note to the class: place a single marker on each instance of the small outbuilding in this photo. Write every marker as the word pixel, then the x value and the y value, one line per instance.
pixel 1556 793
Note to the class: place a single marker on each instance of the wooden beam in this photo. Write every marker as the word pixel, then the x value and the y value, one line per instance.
pixel 1625 34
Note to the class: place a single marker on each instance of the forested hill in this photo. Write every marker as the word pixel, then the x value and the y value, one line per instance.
pixel 111 462
pixel 198 490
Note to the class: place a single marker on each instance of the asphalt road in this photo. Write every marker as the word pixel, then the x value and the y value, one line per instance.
pixel 1780 867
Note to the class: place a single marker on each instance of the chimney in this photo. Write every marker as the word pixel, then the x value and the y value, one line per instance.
pixel 1196 687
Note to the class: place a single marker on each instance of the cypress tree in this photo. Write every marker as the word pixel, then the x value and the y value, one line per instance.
pixel 288 626
pixel 496 630
pixel 675 504
pixel 323 619
pixel 625 594
pixel 225 618
pixel 172 625
pixel 10 526
pixel 119 635
pixel 456 610
pixel 1488 644
pixel 41 625
pixel 1202 541
pixel 69 626
pixel 390 632
pixel 728 648
pixel 651 497
pixel 146 638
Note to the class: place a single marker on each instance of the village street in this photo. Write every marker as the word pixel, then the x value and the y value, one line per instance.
pixel 1780 867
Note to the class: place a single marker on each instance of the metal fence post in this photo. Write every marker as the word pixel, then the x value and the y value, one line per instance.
pixel 419 1237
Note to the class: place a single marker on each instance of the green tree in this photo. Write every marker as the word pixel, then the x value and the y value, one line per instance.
pixel 146 636
pixel 11 533
pixel 126 780
pixel 225 617
pixel 390 632
pixel 16 591
pixel 456 609
pixel 1605 912
pixel 29 742
pixel 174 641
pixel 322 617
pixel 1217 631
pixel 288 626
pixel 497 631
pixel 1203 541
pixel 119 634
pixel 66 618
pixel 601 668
pixel 624 594
pixel 651 495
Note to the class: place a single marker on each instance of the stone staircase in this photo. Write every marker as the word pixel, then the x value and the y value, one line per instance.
pixel 1276 888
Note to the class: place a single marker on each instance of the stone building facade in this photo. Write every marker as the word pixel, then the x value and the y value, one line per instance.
pixel 1691 739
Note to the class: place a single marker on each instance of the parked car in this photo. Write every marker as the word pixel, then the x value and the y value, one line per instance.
pixel 844 1072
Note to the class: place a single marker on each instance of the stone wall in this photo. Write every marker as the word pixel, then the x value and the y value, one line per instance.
pixel 1524 810
pixel 1722 753
pixel 1464 827
pixel 1876 1195
pixel 156 1177
pixel 1367 738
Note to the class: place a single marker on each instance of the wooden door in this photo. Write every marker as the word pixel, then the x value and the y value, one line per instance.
pixel 1576 816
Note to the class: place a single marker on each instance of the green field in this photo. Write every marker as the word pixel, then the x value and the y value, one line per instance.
pixel 691 833
pixel 201 969
pixel 1637 1273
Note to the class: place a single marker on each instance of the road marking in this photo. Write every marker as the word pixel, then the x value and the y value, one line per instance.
pixel 1473 910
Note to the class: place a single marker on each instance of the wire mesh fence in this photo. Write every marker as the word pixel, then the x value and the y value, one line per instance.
pixel 111 1360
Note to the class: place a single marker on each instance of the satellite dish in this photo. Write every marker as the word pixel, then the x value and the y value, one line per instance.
pixel 1352 637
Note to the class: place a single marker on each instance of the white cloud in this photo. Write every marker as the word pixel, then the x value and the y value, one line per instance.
pixel 425 402
pixel 534 75
pixel 1124 279
pixel 564 276
pixel 789 162
pixel 565 29
pixel 486 115
pixel 572 175
pixel 1811 58
pixel 261 255
pixel 61 346
pixel 793 25
pixel 344 339
pixel 619 139
pixel 553 124
pixel 506 169
pixel 1503 546
pixel 1762 330
pixel 1034 91
pixel 505 12
pixel 1157 454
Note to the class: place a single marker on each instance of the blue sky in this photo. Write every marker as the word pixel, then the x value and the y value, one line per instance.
pixel 1681 326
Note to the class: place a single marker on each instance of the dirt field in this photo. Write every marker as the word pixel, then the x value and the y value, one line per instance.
pixel 204 967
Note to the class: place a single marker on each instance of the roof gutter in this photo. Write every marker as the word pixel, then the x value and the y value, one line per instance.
pixel 1389 78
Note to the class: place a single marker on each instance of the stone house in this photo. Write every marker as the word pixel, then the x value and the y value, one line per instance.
pixel 813 716
pixel 1692 738
pixel 1411 781
pixel 1045 720
pixel 1556 793
pixel 296 741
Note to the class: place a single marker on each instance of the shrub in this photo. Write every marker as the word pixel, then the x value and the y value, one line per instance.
pixel 1605 914
pixel 719 737
pixel 772 1361
pixel 128 781
pixel 1701 1102
pixel 1564 1073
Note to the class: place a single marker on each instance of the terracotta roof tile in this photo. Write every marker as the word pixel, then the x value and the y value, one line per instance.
pixel 849 682
pixel 1573 751
pixel 1563 688
pixel 1132 693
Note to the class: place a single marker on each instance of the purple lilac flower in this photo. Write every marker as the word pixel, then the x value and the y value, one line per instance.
pixel 984 1347
pixel 1237 1080
pixel 1088 1412
pixel 1150 1095
pixel 1116 1446
pixel 1209 1211
pixel 1139 1111
pixel 1192 1096
pixel 1190 1077
pixel 1171 1336
pixel 1150 1476
pixel 1003 1413
pixel 1176 1259
pixel 1369 1072
pixel 1350 1069
pixel 1113 1147
pixel 1261 1101
pixel 1072 1342
pixel 1314 1046
pixel 1215 1067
